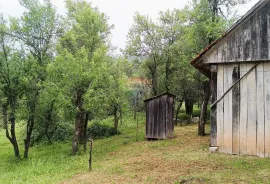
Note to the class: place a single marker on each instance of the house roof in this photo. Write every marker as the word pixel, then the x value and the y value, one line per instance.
pixel 166 93
pixel 197 61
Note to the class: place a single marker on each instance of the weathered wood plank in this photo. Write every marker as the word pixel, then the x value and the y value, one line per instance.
pixel 220 91
pixel 220 52
pixel 268 30
pixel 243 110
pixel 236 110
pixel 213 117
pixel 240 45
pixel 225 50
pixel 163 118
pixel 247 42
pixel 147 120
pixel 171 115
pixel 152 123
pixel 263 27
pixel 251 125
pixel 228 110
pixel 254 37
pixel 260 110
pixel 267 107
pixel 159 121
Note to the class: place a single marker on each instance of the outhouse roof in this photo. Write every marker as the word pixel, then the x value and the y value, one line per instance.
pixel 166 93
pixel 197 62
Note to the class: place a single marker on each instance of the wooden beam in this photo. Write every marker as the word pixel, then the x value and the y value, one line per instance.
pixel 213 118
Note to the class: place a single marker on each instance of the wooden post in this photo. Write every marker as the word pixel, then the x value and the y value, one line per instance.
pixel 91 152
pixel 137 131
pixel 213 117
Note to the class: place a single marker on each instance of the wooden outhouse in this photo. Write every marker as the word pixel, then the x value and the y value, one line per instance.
pixel 159 117
pixel 238 65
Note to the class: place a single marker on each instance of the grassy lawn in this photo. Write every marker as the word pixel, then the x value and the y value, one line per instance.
pixel 120 159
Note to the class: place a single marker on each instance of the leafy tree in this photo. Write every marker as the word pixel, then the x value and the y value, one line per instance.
pixel 36 30
pixel 117 89
pixel 11 71
pixel 81 63
pixel 144 41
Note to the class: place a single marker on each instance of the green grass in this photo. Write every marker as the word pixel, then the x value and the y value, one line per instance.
pixel 120 159
pixel 53 163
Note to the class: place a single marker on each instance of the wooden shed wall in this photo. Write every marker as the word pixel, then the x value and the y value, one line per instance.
pixel 250 41
pixel 243 115
pixel 159 117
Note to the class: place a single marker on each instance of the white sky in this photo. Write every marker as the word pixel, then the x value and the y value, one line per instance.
pixel 120 12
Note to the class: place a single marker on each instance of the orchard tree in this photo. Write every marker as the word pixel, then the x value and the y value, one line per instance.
pixel 117 87
pixel 11 62
pixel 81 62
pixel 144 41
pixel 37 30
pixel 171 28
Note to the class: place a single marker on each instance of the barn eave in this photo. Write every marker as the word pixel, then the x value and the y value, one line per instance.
pixel 197 62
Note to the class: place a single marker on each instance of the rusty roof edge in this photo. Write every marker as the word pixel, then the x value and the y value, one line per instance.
pixel 200 55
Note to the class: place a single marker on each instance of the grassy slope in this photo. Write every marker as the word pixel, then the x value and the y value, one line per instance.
pixel 121 159
pixel 53 163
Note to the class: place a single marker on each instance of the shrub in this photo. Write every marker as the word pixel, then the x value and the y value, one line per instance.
pixel 60 132
pixel 99 131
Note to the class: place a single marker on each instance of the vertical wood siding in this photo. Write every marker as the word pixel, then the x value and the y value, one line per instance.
pixel 159 117
pixel 243 116
pixel 251 106
pixel 243 110
pixel 227 140
pixel 236 110
pixel 267 108
pixel 260 109
pixel 220 111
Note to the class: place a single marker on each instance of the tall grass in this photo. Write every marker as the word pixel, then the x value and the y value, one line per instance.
pixel 53 163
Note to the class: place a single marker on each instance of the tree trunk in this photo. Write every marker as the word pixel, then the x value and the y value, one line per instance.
pixel 29 130
pixel 13 134
pixel 178 110
pixel 167 73
pixel 12 139
pixel 189 110
pixel 121 115
pixel 79 122
pixel 30 122
pixel 115 117
pixel 203 116
pixel 154 84
pixel 85 130
pixel 153 70
pixel 77 133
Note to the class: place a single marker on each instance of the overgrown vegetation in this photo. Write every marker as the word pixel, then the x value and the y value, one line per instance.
pixel 100 131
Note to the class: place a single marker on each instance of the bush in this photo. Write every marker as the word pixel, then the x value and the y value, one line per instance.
pixel 99 131
pixel 60 132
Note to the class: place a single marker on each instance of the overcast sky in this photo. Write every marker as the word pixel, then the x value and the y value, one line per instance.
pixel 120 12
